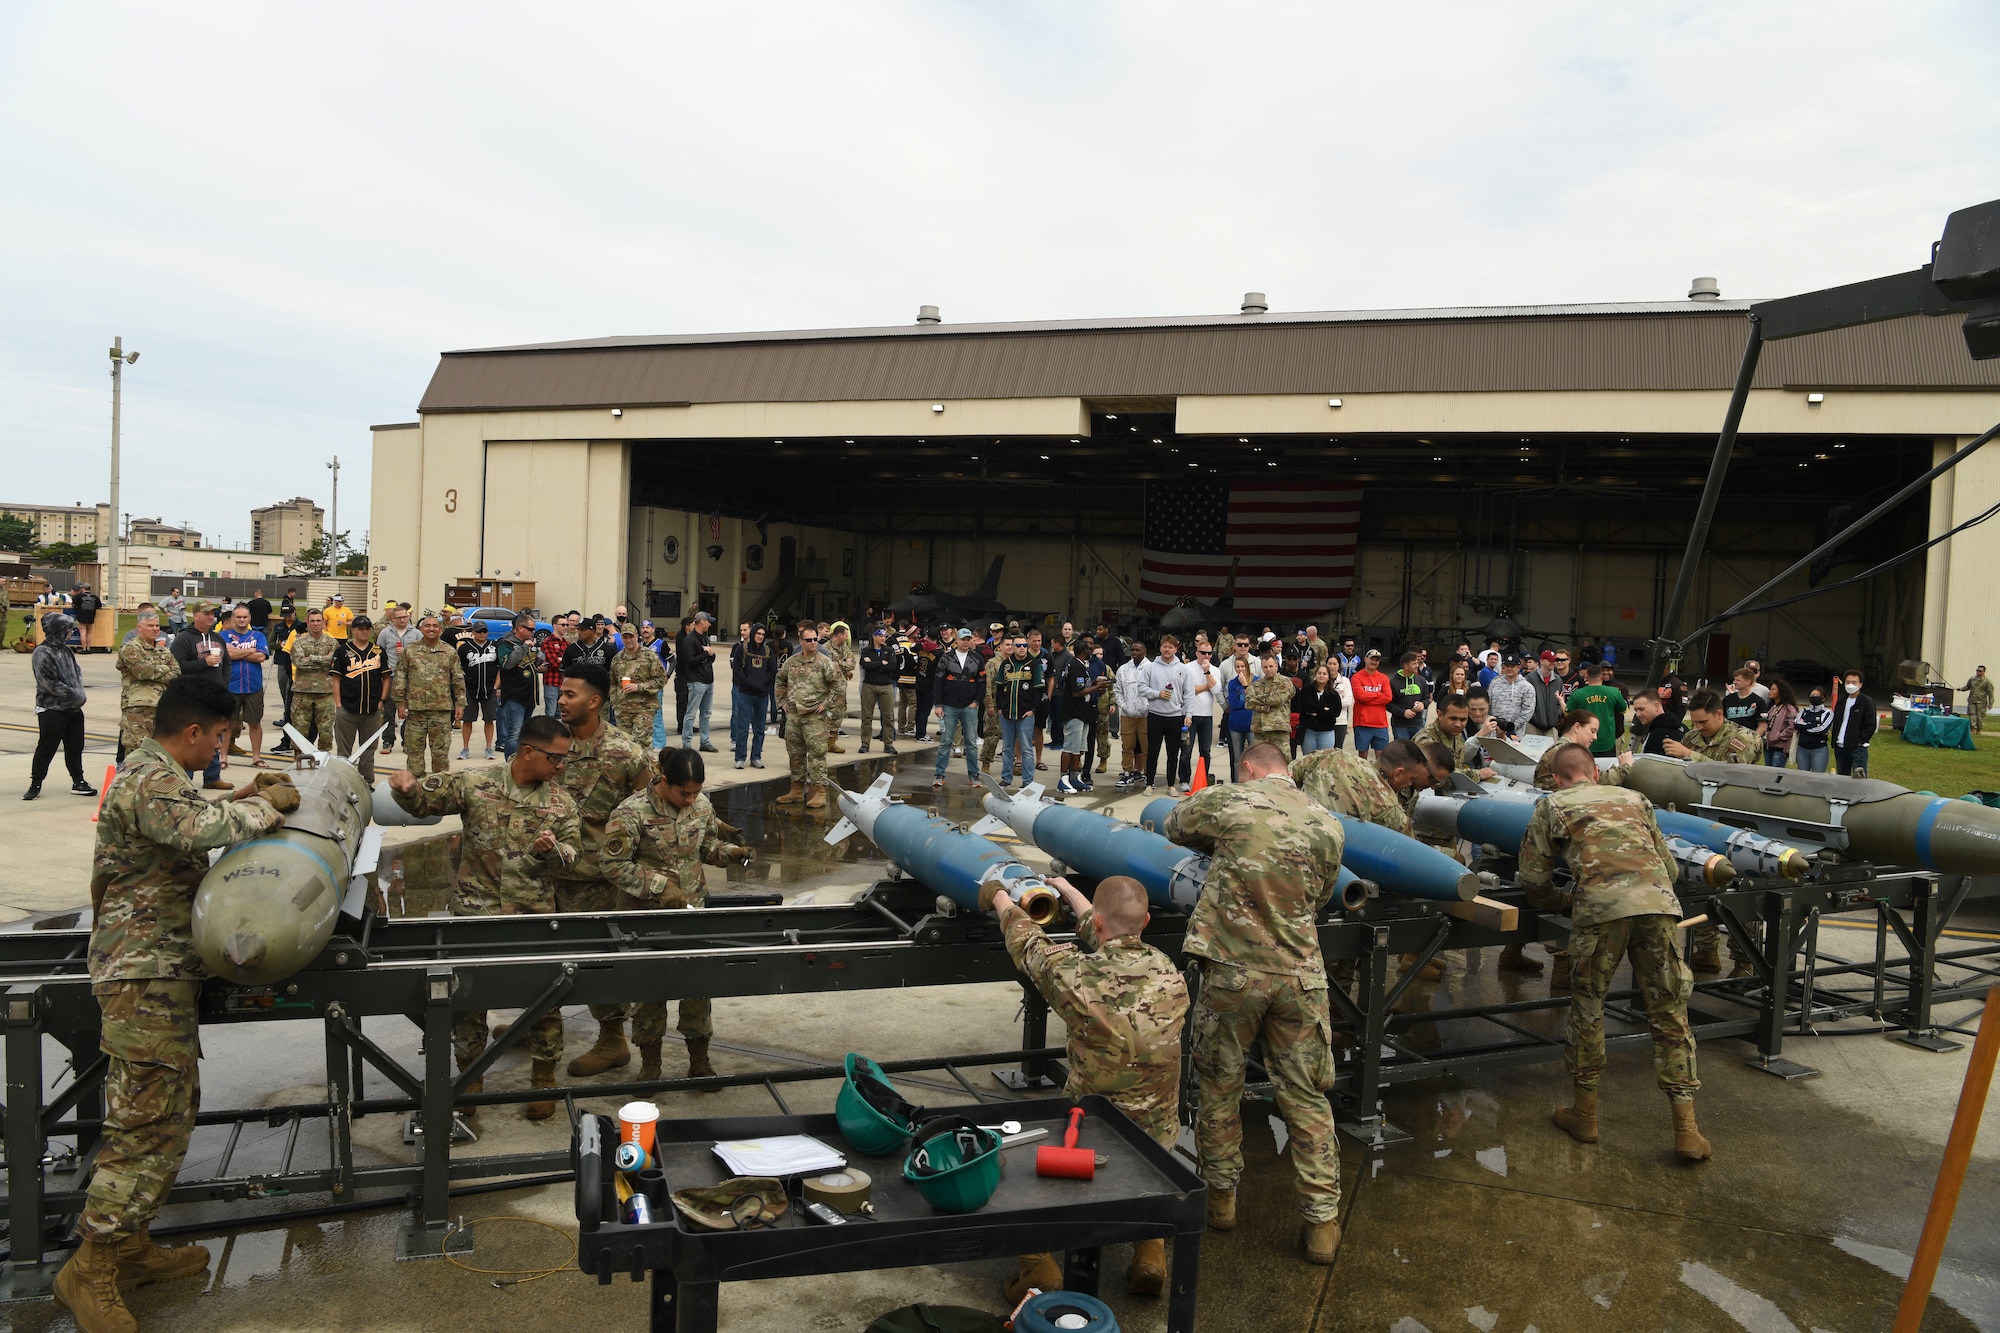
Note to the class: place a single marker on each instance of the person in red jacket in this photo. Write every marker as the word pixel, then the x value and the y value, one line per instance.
pixel 1372 695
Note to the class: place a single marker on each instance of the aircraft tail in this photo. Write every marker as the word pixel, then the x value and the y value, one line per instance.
pixel 989 591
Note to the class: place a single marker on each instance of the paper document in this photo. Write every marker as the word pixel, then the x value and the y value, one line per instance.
pixel 779 1155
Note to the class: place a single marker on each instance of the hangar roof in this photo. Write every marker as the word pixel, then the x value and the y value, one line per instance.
pixel 1637 346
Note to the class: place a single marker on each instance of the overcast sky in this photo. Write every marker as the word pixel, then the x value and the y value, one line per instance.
pixel 291 209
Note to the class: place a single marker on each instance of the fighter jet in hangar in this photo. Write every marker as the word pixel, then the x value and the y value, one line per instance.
pixel 1188 614
pixel 981 606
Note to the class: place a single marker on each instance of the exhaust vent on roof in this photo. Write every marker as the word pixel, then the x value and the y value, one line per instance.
pixel 1254 303
pixel 1704 289
pixel 928 314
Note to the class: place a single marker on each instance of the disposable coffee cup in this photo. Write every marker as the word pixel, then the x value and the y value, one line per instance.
pixel 636 1123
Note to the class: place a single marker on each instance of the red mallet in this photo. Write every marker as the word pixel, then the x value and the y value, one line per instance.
pixel 1068 1161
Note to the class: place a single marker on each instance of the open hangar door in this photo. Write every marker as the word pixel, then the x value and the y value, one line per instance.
pixel 1571 536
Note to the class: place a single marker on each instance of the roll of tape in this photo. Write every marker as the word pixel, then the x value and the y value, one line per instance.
pixel 843 1191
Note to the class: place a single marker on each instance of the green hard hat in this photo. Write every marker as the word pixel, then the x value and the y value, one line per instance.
pixel 955 1165
pixel 873 1116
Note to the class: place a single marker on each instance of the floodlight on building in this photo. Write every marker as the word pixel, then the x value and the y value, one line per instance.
pixel 617 411
pixel 1333 402
pixel 937 407
pixel 1815 399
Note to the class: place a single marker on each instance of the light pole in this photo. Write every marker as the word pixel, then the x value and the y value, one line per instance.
pixel 120 358
pixel 333 533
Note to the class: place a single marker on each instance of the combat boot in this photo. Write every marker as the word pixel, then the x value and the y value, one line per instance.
pixel 815 796
pixel 1512 960
pixel 649 1061
pixel 1148 1274
pixel 542 1074
pixel 1039 1271
pixel 140 1261
pixel 1322 1241
pixel 1580 1121
pixel 1221 1208
pixel 610 1052
pixel 87 1287
pixel 833 745
pixel 795 795
pixel 698 1065
pixel 1559 975
pixel 1744 968
pixel 1433 970
pixel 1689 1145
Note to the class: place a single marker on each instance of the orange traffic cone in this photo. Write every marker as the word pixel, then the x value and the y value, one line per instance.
pixel 1200 776
pixel 109 774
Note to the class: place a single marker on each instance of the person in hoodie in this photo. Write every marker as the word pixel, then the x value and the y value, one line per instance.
pixel 59 700
pixel 1813 723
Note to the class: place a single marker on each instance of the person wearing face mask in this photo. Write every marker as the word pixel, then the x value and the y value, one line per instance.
pixel 1815 720
pixel 1853 725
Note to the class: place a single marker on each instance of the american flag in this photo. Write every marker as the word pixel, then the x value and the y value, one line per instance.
pixel 1293 543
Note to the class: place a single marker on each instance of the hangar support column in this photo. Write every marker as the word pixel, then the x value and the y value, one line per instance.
pixel 1937 570
pixel 1959 591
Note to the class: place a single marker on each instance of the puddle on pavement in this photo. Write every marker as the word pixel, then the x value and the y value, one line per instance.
pixel 793 856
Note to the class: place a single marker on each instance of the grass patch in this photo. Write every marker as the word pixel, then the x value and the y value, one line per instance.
pixel 1946 772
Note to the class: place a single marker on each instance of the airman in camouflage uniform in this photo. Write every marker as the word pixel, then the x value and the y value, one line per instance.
pixel 154 835
pixel 1623 903
pixel 313 702
pixel 642 666
pixel 989 715
pixel 1730 744
pixel 500 873
pixel 1269 699
pixel 1122 1005
pixel 606 767
pixel 1978 699
pixel 812 693
pixel 1275 860
pixel 428 685
pixel 838 646
pixel 653 855
pixel 144 669
pixel 1345 782
pixel 1432 733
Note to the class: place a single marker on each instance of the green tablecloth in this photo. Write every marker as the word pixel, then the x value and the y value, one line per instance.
pixel 1949 733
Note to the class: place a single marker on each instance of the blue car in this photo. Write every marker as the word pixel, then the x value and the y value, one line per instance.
pixel 500 621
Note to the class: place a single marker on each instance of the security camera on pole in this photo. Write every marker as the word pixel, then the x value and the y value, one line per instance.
pixel 120 358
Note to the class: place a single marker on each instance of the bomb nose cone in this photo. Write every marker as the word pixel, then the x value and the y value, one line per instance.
pixel 1793 864
pixel 245 950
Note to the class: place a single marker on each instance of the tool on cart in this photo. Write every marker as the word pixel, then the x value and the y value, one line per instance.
pixel 1069 1161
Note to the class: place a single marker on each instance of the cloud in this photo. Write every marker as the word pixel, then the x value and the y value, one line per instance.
pixel 292 210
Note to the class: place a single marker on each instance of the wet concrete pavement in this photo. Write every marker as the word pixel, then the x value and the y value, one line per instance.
pixel 1488 1218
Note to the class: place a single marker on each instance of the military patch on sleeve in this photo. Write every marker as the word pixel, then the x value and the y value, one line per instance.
pixel 435 782
pixel 618 846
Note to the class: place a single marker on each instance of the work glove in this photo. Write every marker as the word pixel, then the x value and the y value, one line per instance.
pixel 738 852
pixel 263 780
pixel 282 795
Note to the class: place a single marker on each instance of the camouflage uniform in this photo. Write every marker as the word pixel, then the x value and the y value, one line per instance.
pixel 1276 857
pixel 1122 1007
pixel 989 718
pixel 1731 745
pixel 809 689
pixel 313 702
pixel 1431 733
pixel 153 838
pixel 1270 702
pixel 145 670
pixel 602 773
pixel 1623 904
pixel 1225 647
pixel 843 656
pixel 499 872
pixel 642 666
pixel 1545 772
pixel 653 855
pixel 429 680
pixel 1348 784
pixel 1978 701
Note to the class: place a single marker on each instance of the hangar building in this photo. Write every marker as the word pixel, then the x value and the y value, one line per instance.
pixel 1543 459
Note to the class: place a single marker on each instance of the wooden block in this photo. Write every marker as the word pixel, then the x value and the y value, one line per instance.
pixel 1486 911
